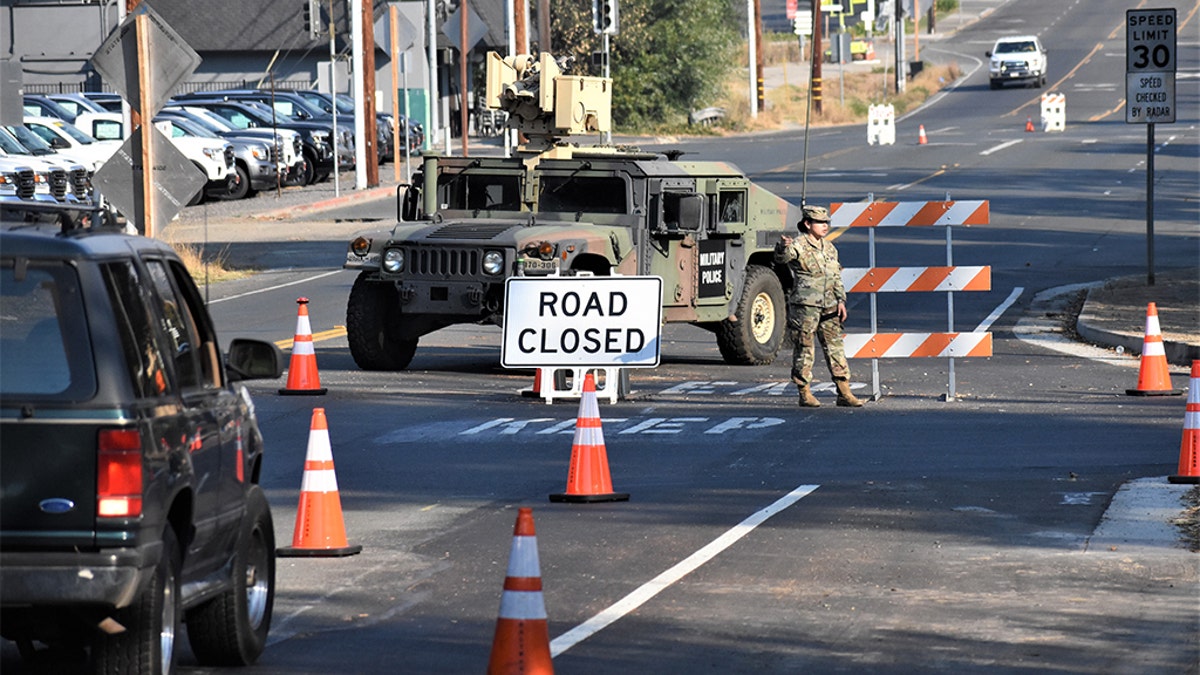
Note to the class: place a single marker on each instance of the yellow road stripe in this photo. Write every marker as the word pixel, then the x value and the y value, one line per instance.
pixel 335 332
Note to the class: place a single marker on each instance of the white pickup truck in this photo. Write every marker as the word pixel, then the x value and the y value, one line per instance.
pixel 1020 58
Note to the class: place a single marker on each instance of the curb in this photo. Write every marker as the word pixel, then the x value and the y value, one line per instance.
pixel 351 197
pixel 1178 353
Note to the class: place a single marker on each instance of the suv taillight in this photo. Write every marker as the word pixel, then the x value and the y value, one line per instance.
pixel 119 474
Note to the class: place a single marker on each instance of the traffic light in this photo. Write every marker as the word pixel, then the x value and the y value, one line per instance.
pixel 604 16
pixel 312 18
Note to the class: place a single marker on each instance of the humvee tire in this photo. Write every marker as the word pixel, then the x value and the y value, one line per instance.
pixel 372 318
pixel 755 337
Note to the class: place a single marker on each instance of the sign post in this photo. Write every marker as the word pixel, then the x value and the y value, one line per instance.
pixel 144 59
pixel 1150 44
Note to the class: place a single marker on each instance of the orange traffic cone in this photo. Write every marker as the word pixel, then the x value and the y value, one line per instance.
pixel 522 641
pixel 1189 450
pixel 588 479
pixel 320 530
pixel 921 138
pixel 303 378
pixel 536 390
pixel 1154 379
pixel 1029 124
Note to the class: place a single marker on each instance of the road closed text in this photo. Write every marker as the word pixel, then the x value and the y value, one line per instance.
pixel 582 321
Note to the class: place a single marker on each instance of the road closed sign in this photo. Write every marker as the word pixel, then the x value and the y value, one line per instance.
pixel 582 322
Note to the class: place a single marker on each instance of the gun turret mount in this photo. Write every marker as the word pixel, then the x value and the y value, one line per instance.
pixel 544 104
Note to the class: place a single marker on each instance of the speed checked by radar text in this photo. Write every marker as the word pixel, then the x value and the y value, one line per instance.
pixel 582 322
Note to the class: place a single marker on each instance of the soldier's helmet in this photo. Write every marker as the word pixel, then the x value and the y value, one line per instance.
pixel 817 214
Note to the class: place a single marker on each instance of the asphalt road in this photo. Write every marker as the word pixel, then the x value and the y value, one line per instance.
pixel 913 535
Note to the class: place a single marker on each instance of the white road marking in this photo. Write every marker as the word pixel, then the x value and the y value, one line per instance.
pixel 1000 309
pixel 663 581
pixel 1000 147
pixel 275 288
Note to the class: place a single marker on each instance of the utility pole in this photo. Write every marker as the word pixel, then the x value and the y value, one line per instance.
pixel 370 136
pixel 817 56
pixel 760 92
pixel 463 111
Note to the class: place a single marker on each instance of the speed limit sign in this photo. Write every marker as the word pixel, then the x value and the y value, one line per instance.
pixel 1150 42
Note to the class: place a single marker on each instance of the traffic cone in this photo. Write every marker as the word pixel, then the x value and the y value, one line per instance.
pixel 1154 379
pixel 1029 124
pixel 588 479
pixel 303 378
pixel 522 641
pixel 921 138
pixel 320 530
pixel 1189 449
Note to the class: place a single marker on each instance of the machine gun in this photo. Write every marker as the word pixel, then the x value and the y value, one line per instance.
pixel 544 104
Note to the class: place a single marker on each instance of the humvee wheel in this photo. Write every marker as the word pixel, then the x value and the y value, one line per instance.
pixel 372 327
pixel 755 337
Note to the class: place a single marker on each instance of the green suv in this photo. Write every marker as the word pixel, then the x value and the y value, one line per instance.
pixel 129 497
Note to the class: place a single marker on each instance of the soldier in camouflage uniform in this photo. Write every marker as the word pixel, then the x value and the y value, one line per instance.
pixel 816 305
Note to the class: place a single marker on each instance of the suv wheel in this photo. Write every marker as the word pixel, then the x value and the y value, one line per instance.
pixel 240 187
pixel 372 316
pixel 151 623
pixel 231 629
pixel 756 335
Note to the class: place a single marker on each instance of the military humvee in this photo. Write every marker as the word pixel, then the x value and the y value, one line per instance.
pixel 466 224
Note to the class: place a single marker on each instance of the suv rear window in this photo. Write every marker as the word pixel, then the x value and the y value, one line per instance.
pixel 45 351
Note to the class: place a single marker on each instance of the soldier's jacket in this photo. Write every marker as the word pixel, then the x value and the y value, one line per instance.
pixel 815 269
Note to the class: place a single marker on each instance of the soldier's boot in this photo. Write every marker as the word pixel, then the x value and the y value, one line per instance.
pixel 807 400
pixel 845 398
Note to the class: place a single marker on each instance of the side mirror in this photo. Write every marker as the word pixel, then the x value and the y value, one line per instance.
pixel 253 360
pixel 988 53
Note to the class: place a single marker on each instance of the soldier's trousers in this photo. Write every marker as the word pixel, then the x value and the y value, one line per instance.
pixel 810 324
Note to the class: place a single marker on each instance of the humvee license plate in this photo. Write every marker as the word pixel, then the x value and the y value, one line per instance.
pixel 539 266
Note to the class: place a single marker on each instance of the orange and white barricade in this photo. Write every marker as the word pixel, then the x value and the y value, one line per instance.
pixel 1054 112
pixel 881 125
pixel 947 279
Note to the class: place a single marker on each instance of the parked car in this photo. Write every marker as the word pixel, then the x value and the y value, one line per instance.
pixel 64 137
pixel 130 499
pixel 288 104
pixel 18 181
pixel 66 181
pixel 345 106
pixel 1017 59
pixel 285 143
pixel 317 136
pixel 253 167
pixel 100 124
pixel 107 100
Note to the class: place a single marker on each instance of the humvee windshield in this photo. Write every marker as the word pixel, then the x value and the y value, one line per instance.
pixel 586 194
pixel 558 194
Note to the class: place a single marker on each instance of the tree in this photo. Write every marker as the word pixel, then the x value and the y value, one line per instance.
pixel 670 57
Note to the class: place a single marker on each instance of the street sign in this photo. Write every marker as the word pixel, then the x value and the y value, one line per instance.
pixel 174 178
pixel 581 322
pixel 1150 56
pixel 476 28
pixel 117 62
pixel 802 24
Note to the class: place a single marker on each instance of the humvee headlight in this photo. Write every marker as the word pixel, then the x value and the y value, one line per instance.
pixel 393 260
pixel 360 246
pixel 493 263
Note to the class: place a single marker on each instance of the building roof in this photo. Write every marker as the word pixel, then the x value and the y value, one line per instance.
pixel 269 25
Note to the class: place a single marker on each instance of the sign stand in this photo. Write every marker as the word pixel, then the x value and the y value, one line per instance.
pixel 1150 64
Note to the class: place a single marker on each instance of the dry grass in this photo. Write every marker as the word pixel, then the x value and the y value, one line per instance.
pixel 210 267
pixel 788 104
